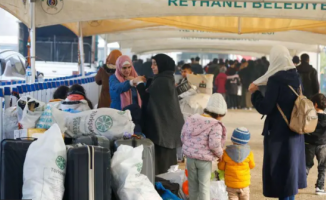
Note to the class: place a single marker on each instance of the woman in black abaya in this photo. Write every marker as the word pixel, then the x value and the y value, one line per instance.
pixel 162 115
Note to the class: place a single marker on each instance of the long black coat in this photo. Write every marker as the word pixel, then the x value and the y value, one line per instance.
pixel 284 167
pixel 162 115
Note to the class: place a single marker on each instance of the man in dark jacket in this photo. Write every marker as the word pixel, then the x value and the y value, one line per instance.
pixel 309 77
pixel 316 144
pixel 196 67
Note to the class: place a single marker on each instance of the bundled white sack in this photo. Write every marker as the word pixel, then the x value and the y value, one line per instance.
pixel 194 104
pixel 10 122
pixel 126 166
pixel 104 121
pixel 51 115
pixel 45 167
pixel 31 113
pixel 204 83
pixel 218 191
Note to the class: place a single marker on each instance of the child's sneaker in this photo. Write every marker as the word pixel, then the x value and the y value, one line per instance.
pixel 320 191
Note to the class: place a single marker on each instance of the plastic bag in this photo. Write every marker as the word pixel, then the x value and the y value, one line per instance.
pixel 218 191
pixel 108 122
pixel 178 177
pixel 50 116
pixel 194 104
pixel 204 83
pixel 45 167
pixel 167 194
pixel 10 122
pixel 126 165
pixel 32 112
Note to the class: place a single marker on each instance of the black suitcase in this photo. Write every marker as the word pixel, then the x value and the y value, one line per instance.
pixel 96 140
pixel 13 153
pixel 88 173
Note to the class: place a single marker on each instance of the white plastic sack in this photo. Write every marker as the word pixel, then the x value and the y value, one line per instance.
pixel 194 104
pixel 29 118
pixel 126 165
pixel 189 93
pixel 104 121
pixel 45 167
pixel 51 115
pixel 138 187
pixel 126 160
pixel 10 122
pixel 204 83
pixel 19 109
pixel 218 191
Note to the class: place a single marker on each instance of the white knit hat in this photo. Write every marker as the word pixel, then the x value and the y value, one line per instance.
pixel 217 104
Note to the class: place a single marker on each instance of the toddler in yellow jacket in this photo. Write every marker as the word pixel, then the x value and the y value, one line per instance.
pixel 237 161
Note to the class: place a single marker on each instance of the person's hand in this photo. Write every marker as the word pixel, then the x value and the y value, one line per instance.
pixel 139 79
pixel 129 78
pixel 253 88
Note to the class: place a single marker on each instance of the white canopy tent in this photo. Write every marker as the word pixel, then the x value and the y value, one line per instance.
pixel 89 17
pixel 164 32
pixel 257 46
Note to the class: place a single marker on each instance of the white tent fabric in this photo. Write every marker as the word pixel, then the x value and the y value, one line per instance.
pixel 257 46
pixel 51 12
pixel 172 32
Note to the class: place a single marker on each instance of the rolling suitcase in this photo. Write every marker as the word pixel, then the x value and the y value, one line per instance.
pixel 13 153
pixel 88 175
pixel 148 154
pixel 95 140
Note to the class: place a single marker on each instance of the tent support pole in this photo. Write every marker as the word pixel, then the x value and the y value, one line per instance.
pixel 81 49
pixel 33 42
pixel 318 62
pixel 105 48
pixel 239 25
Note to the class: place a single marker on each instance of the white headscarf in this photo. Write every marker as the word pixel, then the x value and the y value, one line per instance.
pixel 280 60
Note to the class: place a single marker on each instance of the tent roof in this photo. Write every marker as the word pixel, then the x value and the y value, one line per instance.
pixel 302 37
pixel 214 16
pixel 257 46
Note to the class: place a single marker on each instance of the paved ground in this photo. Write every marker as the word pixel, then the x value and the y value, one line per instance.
pixel 252 120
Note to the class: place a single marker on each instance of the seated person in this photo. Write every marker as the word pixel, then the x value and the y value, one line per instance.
pixel 60 94
pixel 76 100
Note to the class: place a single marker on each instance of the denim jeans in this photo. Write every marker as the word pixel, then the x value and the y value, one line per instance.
pixel 320 152
pixel 288 198
pixel 199 179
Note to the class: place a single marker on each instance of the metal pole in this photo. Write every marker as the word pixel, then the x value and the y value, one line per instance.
pixel 105 48
pixel 318 62
pixel 81 49
pixel 33 42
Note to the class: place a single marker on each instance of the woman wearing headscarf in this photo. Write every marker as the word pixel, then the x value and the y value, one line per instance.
pixel 102 78
pixel 284 168
pixel 122 90
pixel 162 115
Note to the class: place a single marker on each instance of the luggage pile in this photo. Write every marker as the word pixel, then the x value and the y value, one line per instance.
pixel 91 155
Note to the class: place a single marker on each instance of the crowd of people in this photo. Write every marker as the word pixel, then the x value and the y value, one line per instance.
pixel 288 156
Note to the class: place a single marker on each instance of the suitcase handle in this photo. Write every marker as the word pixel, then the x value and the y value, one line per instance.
pixel 26 138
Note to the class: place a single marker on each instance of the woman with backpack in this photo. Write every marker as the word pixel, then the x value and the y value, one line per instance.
pixel 284 170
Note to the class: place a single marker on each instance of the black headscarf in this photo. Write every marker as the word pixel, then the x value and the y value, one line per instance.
pixel 164 63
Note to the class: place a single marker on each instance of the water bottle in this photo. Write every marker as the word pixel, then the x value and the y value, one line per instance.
pixel 28 75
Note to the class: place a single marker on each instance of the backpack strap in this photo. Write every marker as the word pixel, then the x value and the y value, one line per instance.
pixel 283 115
pixel 295 91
